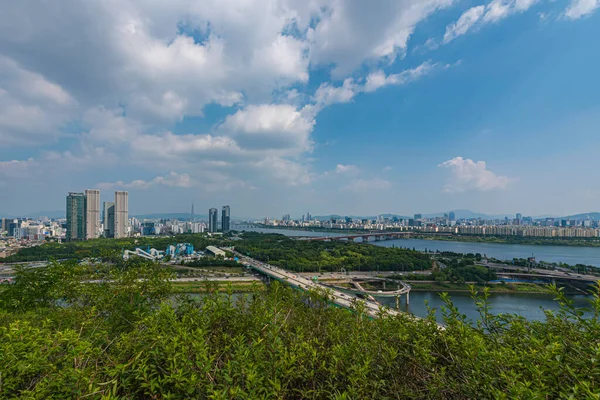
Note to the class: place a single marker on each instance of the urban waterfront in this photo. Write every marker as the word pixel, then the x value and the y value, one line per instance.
pixel 527 305
pixel 564 254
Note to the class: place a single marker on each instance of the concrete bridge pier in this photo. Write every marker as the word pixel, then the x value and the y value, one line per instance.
pixel 408 298
pixel 365 239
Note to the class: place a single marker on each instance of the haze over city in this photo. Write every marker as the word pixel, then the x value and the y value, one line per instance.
pixel 345 107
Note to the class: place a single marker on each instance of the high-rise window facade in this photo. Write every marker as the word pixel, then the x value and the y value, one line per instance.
pixel 92 213
pixel 225 219
pixel 108 219
pixel 121 214
pixel 76 217
pixel 213 220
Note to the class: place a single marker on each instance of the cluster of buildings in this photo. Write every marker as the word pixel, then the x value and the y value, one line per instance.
pixel 213 220
pixel 83 216
pixel 163 226
pixel 86 219
pixel 448 223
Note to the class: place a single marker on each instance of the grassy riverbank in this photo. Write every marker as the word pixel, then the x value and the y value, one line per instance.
pixel 494 288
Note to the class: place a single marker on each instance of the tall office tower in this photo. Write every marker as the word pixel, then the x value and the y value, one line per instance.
pixel 12 226
pixel 212 220
pixel 4 226
pixel 75 216
pixel 418 216
pixel 108 218
pixel 192 214
pixel 92 213
pixel 121 214
pixel 452 216
pixel 225 219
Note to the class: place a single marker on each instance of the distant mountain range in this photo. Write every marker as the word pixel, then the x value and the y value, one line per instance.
pixel 592 215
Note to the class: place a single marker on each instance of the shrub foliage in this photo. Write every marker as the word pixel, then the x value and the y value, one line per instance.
pixel 99 332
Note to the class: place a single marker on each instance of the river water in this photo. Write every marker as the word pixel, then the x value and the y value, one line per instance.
pixel 529 306
pixel 526 305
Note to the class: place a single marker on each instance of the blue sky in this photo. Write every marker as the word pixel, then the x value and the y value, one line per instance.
pixel 289 106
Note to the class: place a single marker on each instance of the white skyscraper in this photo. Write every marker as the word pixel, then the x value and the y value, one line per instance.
pixel 92 213
pixel 121 214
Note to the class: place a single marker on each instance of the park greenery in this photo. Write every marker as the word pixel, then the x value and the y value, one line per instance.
pixel 328 256
pixel 118 332
pixel 105 248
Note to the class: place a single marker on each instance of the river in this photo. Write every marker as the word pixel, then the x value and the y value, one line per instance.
pixel 567 254
pixel 526 305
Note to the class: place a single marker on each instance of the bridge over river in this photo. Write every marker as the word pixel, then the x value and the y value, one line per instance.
pixel 365 237
pixel 373 309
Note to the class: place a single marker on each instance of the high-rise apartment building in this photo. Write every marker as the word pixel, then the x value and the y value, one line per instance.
pixel 225 219
pixel 108 219
pixel 76 225
pixel 121 214
pixel 213 220
pixel 92 213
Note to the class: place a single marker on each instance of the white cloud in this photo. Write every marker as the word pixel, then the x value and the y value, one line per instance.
pixel 378 79
pixel 500 9
pixel 464 23
pixel 361 185
pixel 467 174
pixel 172 180
pixel 32 108
pixel 480 15
pixel 351 32
pixel 136 68
pixel 581 8
pixel 347 169
pixel 327 94
pixel 270 126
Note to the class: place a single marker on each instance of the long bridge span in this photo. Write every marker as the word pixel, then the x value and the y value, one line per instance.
pixel 363 237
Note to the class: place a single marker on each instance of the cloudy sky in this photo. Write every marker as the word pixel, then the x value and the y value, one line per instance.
pixel 294 106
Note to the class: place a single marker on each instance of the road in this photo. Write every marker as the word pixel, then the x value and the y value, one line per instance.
pixel 339 298
pixel 539 273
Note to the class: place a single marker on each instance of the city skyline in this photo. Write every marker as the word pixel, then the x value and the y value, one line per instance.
pixel 360 108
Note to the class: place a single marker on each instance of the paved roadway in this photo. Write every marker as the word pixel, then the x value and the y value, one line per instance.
pixel 339 298
pixel 540 273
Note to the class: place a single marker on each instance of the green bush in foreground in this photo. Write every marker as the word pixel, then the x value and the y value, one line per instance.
pixel 71 332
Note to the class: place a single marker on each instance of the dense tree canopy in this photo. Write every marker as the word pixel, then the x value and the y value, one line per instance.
pixel 69 331
pixel 103 247
pixel 304 255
